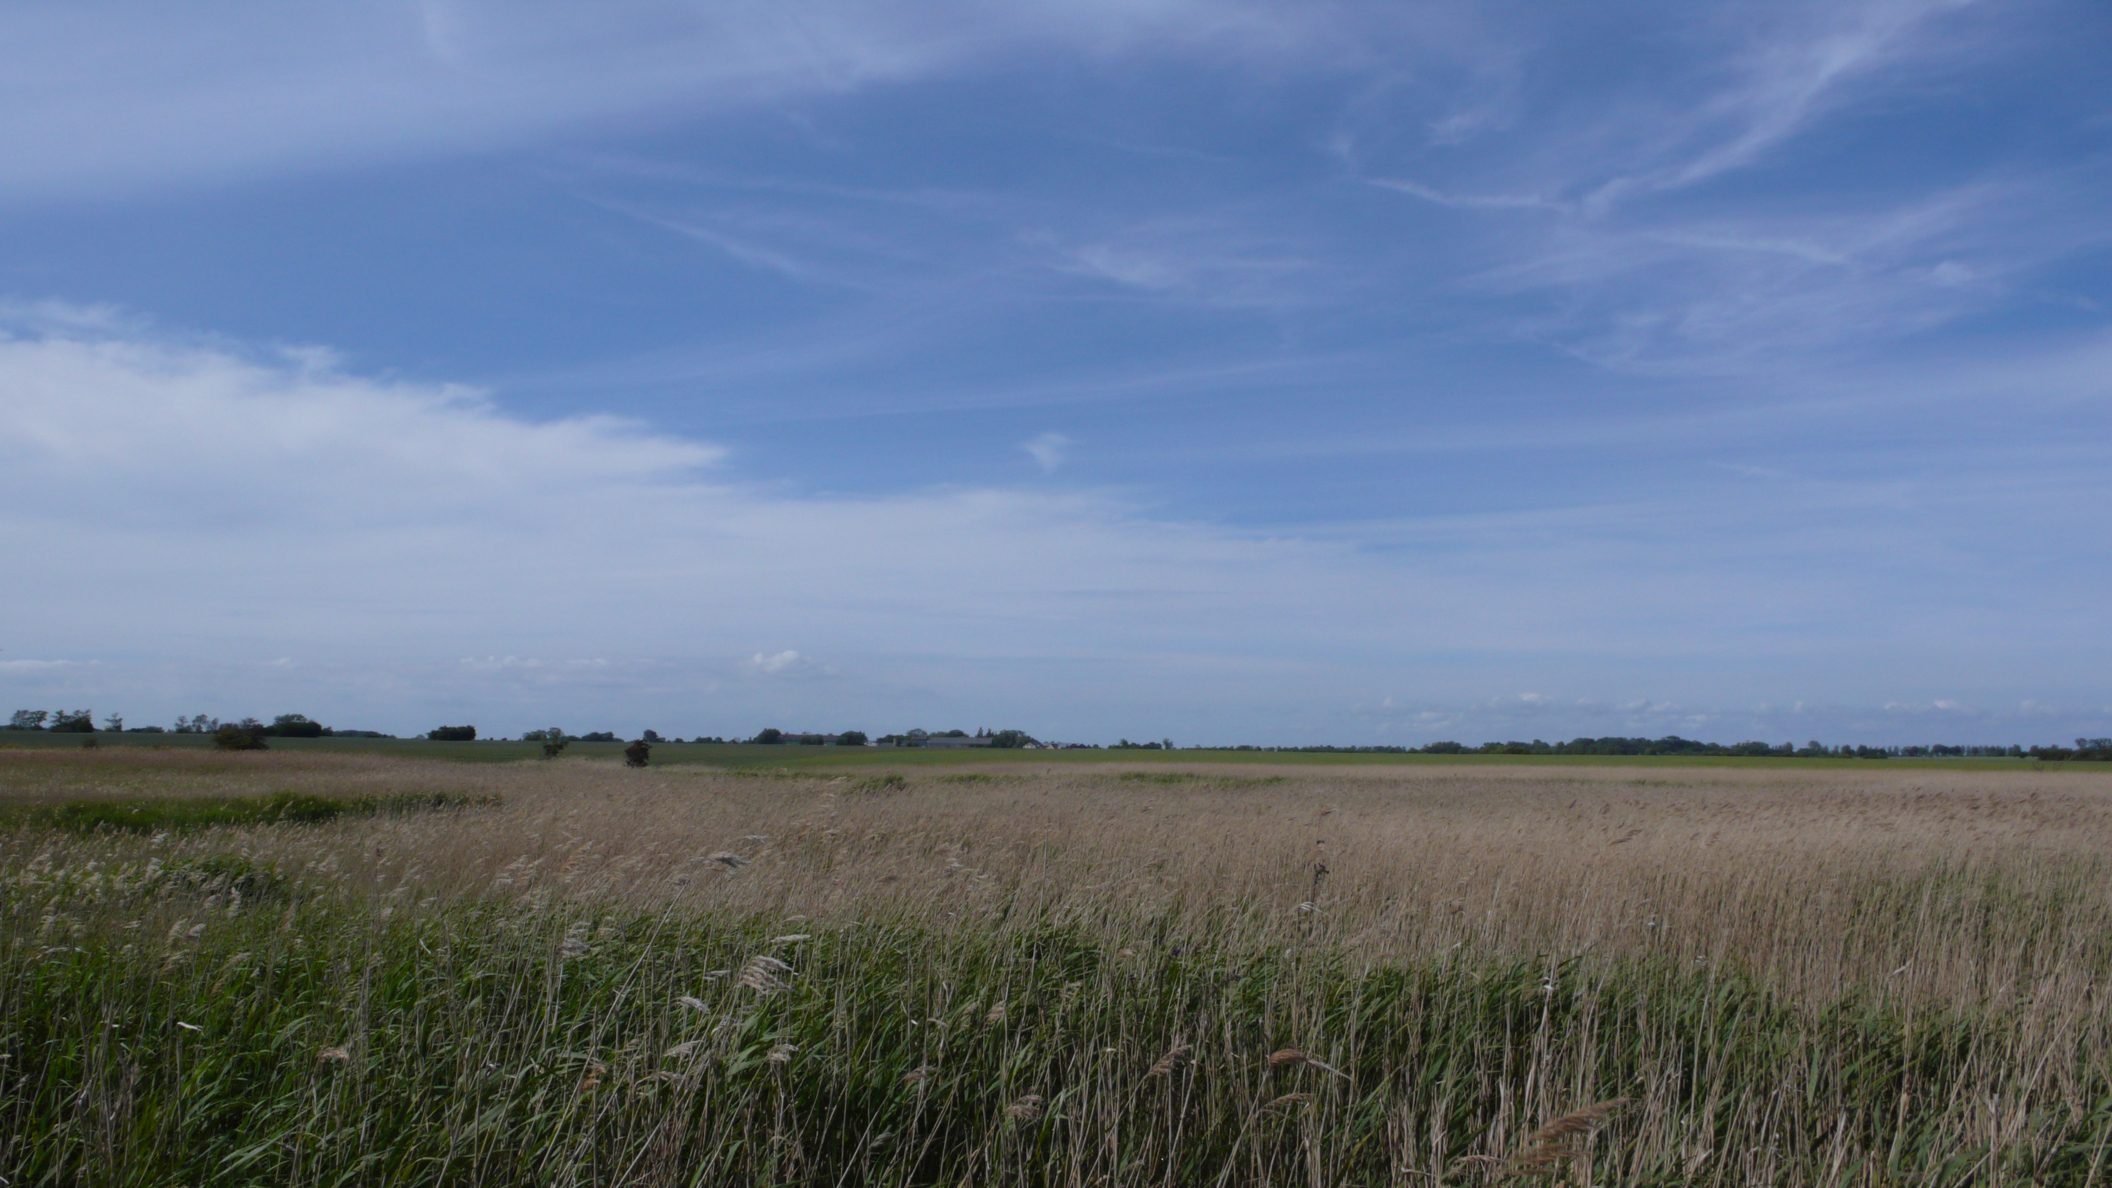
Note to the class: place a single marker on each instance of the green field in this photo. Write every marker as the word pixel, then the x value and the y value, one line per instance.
pixel 749 755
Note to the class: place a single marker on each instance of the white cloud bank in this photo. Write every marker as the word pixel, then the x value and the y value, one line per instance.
pixel 176 516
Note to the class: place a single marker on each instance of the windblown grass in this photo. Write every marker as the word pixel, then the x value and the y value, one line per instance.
pixel 653 978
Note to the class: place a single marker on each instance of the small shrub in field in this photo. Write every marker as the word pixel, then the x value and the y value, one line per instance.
pixel 239 738
pixel 637 754
pixel 891 782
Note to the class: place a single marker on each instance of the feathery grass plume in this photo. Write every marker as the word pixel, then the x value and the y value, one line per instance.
pixel 1294 1057
pixel 1175 1057
pixel 692 1002
pixel 340 1055
pixel 791 938
pixel 995 1014
pixel 684 1048
pixel 1288 1101
pixel 592 1080
pixel 917 1075
pixel 728 859
pixel 1026 1109
pixel 1551 1144
pixel 761 974
pixel 781 1053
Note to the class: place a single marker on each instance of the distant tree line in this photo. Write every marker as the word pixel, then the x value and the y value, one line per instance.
pixel 249 733
pixel 2087 749
pixel 83 722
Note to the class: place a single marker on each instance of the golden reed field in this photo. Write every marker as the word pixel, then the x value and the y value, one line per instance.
pixel 1105 974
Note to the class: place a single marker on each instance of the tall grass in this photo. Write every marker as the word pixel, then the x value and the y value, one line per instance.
pixel 1079 981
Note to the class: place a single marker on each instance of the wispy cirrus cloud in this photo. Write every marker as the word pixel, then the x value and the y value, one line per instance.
pixel 1049 450
pixel 156 95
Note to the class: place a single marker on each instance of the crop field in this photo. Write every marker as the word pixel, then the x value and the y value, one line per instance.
pixel 330 967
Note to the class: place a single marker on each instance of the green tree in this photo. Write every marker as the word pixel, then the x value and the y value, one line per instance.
pixel 246 735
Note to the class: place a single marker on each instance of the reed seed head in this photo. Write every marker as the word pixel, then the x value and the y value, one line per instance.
pixel 1173 1059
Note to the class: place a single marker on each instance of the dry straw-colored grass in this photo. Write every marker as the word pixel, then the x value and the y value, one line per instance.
pixel 1969 886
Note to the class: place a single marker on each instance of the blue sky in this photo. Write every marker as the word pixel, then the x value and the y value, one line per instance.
pixel 1235 372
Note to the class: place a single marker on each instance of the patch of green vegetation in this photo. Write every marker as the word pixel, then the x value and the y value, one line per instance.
pixel 891 782
pixel 777 773
pixel 144 816
pixel 979 777
pixel 332 1043
pixel 1195 779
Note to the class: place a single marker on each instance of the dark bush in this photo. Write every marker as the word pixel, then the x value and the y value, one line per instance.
pixel 637 753
pixel 234 737
pixel 851 738
pixel 453 734
pixel 294 726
